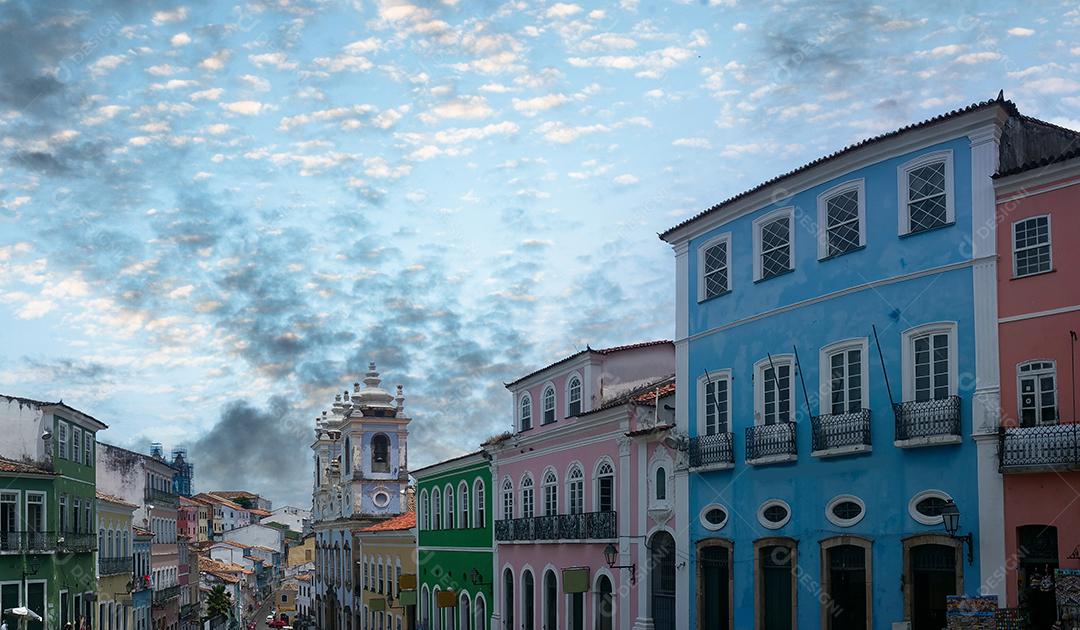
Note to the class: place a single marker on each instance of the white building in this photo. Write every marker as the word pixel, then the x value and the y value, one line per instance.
pixel 292 517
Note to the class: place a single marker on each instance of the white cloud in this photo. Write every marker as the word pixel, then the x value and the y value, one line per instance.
pixel 212 94
pixel 217 129
pixel 979 57
pixel 216 61
pixel 174 84
pixel 1052 85
pixel 694 143
pixel 563 10
pixel 1020 31
pixel 246 108
pixel 351 58
pixel 740 27
pixel 276 59
pixel 256 83
pixel 463 107
pixel 379 168
pixel 162 70
pixel 106 64
pixel 943 51
pixel 178 14
pixel 180 39
pixel 625 179
pixel 35 309
pixel 533 106
pixel 560 132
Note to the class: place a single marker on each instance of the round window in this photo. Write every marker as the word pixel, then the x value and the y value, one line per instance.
pixel 381 499
pixel 926 506
pixel 845 510
pixel 774 514
pixel 714 516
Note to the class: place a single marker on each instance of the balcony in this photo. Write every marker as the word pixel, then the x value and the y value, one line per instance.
pixel 189 611
pixel 587 526
pixel 77 543
pixel 840 434
pixel 162 595
pixel 140 583
pixel 1045 448
pixel 771 443
pixel 716 451
pixel 927 422
pixel 113 566
pixel 27 542
pixel 161 497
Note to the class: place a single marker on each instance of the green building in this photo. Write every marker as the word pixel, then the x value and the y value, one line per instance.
pixel 454 539
pixel 47 512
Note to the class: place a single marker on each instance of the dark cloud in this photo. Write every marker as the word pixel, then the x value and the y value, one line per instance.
pixel 66 372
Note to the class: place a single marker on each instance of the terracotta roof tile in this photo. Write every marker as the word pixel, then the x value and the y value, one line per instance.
pixel 113 499
pixel 1029 166
pixel 12 466
pixel 646 393
pixel 402 522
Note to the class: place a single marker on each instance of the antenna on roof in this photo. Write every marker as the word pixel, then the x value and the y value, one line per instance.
pixel 1001 96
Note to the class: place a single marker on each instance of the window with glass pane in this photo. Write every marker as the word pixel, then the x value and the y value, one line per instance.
pixel 927 202
pixel 1031 245
pixel 577 491
pixel 449 498
pixel 661 484
pixel 715 272
pixel 932 367
pixel 776 391
pixel 63 428
pixel 842 222
pixel 574 396
pixel 436 509
pixel 551 494
pixel 526 413
pixel 463 505
pixel 549 405
pixel 478 493
pixel 775 247
pixel 846 387
pixel 1038 393
pixel 9 521
pixel 508 500
pixel 716 406
pixel 527 497
pixel 605 488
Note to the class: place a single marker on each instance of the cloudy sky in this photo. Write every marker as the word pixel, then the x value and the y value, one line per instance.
pixel 213 215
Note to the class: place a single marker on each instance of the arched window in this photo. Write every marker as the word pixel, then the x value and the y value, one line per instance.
pixel 551 600
pixel 605 487
pixel 448 496
pixel 436 509
pixel 436 612
pixel 528 499
pixel 661 484
pixel 573 396
pixel 380 453
pixel 463 504
pixel 525 413
pixel 575 491
pixel 605 604
pixel 425 510
pixel 508 598
pixel 551 493
pixel 549 405
pixel 478 508
pixel 528 600
pixel 508 499
pixel 347 456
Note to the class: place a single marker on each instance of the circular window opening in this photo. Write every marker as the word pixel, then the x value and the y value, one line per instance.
pixel 381 499
pixel 714 517
pixel 926 506
pixel 774 514
pixel 930 507
pixel 845 510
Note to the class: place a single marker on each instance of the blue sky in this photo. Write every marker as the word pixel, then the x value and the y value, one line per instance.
pixel 213 215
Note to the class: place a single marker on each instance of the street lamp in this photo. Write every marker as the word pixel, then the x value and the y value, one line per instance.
pixel 476 578
pixel 611 555
pixel 950 516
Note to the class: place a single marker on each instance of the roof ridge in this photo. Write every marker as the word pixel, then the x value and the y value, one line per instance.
pixel 590 349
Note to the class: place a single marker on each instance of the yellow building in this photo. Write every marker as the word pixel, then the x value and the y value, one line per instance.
pixel 301 553
pixel 386 573
pixel 114 567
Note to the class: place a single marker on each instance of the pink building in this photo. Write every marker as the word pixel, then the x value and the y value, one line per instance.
pixel 187 518
pixel 584 492
pixel 1038 209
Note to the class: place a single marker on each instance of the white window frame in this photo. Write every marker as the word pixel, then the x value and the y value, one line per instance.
pixel 713 526
pixel 844 522
pixel 858 185
pixel 669 489
pixel 463 517
pixel 449 512
pixel 569 482
pixel 825 371
pixel 479 499
pixel 532 492
pixel 703 381
pixel 18 508
pixel 581 393
pixel 64 432
pixel 545 486
pixel 716 240
pixel 789 212
pixel 1049 243
pixel 44 510
pixel 436 509
pixel 759 386
pixel 505 492
pixel 1052 370
pixel 425 510
pixel 908 355
pixel 766 523
pixel 548 388
pixel 903 218
pixel 525 398
pixel 596 484
pixel 918 516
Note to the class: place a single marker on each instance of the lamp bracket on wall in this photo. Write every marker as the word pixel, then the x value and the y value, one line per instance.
pixel 1075 555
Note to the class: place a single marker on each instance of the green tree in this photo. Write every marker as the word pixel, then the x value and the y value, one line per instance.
pixel 219 603
pixel 244 502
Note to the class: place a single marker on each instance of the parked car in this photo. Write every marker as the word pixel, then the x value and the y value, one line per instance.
pixel 277 623
pixel 270 618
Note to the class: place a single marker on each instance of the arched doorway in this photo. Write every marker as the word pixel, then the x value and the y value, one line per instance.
pixel 528 601
pixel 714 584
pixel 605 604
pixel 933 578
pixel 508 599
pixel 480 605
pixel 662 568
pixel 845 573
pixel 776 584
pixel 551 601
pixel 464 612
pixel 1037 550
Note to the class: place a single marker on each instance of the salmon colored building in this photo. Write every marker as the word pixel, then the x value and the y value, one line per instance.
pixel 1038 211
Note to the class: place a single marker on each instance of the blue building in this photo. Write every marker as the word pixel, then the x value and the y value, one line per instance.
pixel 815 487
pixel 141 582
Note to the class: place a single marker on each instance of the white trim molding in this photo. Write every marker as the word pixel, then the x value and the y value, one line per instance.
pixel 709 525
pixel 716 240
pixel 908 338
pixel 766 523
pixel 844 522
pixel 777 361
pixel 703 381
pixel 859 186
pixel 768 217
pixel 918 516
pixel 903 216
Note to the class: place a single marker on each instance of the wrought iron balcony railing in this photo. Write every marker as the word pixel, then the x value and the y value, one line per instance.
pixel 927 418
pixel 771 442
pixel 161 497
pixel 162 595
pixel 848 432
pixel 77 543
pixel 23 541
pixel 1045 447
pixel 189 611
pixel 712 450
pixel 113 566
pixel 584 526
pixel 140 582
